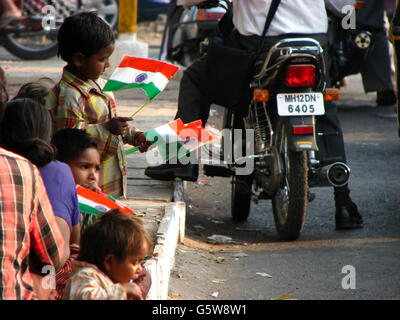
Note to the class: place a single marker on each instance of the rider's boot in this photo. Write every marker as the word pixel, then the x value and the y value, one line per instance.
pixel 347 215
pixel 168 172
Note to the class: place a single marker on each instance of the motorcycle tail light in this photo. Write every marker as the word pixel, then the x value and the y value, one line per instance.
pixel 303 130
pixel 300 75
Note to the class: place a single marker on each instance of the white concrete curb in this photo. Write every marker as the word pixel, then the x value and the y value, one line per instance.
pixel 170 231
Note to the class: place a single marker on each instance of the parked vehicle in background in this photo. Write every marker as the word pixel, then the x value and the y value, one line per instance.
pixel 28 38
pixel 34 36
pixel 148 10
pixel 194 26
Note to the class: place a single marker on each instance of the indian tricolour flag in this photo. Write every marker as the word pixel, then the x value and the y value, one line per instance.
pixel 176 139
pixel 91 202
pixel 150 75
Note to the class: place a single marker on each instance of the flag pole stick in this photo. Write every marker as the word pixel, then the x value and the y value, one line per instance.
pixel 138 110
pixel 131 150
pixel 135 149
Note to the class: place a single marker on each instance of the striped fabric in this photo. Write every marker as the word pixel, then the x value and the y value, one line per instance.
pixel 28 230
pixel 74 103
pixel 64 273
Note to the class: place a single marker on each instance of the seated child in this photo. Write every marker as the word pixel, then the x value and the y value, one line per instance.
pixel 79 150
pixel 86 42
pixel 109 271
pixel 36 90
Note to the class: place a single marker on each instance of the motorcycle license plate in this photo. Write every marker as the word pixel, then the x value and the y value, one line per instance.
pixel 300 104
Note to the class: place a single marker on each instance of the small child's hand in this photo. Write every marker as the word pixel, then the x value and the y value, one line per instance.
pixel 117 125
pixel 141 141
pixel 92 186
pixel 144 282
pixel 133 291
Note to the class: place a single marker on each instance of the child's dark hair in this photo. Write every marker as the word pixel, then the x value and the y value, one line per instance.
pixel 37 90
pixel 26 129
pixel 113 233
pixel 84 33
pixel 70 143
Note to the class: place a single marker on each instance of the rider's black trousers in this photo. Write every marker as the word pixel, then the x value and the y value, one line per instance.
pixel 194 104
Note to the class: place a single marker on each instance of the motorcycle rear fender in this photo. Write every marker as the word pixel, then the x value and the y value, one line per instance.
pixel 301 142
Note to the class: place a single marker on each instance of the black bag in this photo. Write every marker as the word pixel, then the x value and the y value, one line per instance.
pixel 229 70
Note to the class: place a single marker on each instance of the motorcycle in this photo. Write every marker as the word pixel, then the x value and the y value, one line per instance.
pixel 289 90
pixel 195 25
pixel 34 35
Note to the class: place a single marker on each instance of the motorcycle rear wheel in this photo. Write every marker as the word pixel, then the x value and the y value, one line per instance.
pixel 290 202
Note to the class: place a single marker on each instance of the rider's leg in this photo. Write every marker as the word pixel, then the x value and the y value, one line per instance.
pixel 193 102
pixel 332 150
pixel 377 75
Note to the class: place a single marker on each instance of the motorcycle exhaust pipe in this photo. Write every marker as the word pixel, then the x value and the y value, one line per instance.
pixel 336 174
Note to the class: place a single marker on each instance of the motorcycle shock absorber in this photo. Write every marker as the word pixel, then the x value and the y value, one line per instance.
pixel 262 127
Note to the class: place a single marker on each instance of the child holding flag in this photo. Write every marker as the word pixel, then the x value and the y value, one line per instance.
pixel 86 42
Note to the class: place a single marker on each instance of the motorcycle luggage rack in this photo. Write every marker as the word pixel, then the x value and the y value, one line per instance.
pixel 290 52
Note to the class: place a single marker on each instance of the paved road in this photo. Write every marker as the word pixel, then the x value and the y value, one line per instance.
pixel 260 266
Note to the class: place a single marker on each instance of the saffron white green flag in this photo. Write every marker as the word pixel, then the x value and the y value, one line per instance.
pixel 176 139
pixel 150 75
pixel 95 203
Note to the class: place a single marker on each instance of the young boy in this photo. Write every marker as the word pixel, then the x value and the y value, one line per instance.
pixel 112 270
pixel 86 42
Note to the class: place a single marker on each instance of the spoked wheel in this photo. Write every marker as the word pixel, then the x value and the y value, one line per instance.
pixel 241 197
pixel 290 201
